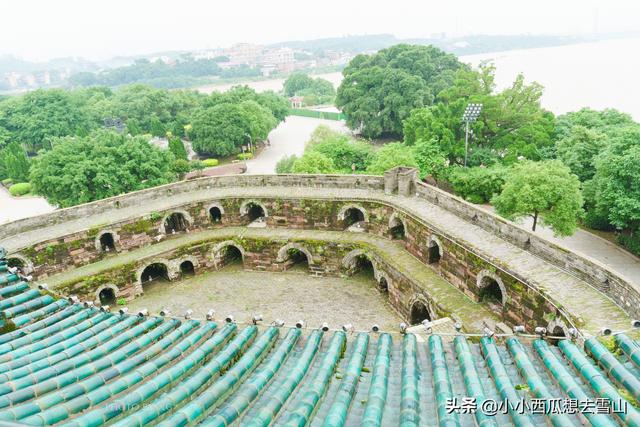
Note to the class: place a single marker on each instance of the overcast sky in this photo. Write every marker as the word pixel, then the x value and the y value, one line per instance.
pixel 43 29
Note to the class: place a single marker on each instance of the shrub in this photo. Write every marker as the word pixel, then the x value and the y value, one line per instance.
pixel 210 162
pixel 121 301
pixel 285 164
pixel 7 182
pixel 478 185
pixel 20 189
pixel 631 242
pixel 245 156
pixel 181 166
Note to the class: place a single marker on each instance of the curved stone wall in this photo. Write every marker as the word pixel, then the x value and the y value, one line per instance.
pixel 67 238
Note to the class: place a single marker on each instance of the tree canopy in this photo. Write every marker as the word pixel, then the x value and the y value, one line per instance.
pixel 314 91
pixel 546 191
pixel 379 91
pixel 104 164
pixel 512 123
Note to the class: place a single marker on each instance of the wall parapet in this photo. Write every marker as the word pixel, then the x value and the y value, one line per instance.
pixel 137 198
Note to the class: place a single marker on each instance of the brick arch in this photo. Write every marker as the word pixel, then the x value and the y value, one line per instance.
pixel 348 262
pixel 111 286
pixel 184 213
pixel 434 240
pixel 116 238
pixel 215 251
pixel 394 220
pixel 283 252
pixel 216 204
pixel 175 263
pixel 166 262
pixel 244 207
pixel 482 283
pixel 27 265
pixel 345 208
pixel 421 299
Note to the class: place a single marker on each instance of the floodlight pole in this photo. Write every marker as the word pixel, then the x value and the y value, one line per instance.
pixel 466 142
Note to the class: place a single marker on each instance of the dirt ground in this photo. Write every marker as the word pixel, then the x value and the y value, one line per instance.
pixel 291 296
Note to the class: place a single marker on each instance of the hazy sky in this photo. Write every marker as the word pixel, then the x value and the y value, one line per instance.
pixel 42 29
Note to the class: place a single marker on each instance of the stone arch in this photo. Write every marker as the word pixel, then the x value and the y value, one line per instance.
pixel 491 287
pixel 22 262
pixel 420 309
pixel 557 328
pixel 343 214
pixel 180 264
pixel 434 249
pixel 215 212
pixel 179 220
pixel 350 261
pixel 248 206
pixel 159 262
pixel 383 280
pixel 397 226
pixel 102 240
pixel 107 294
pixel 283 252
pixel 220 253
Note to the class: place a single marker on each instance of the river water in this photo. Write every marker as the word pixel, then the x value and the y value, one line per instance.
pixel 598 75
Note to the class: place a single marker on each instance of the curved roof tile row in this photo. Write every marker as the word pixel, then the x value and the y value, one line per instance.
pixel 66 364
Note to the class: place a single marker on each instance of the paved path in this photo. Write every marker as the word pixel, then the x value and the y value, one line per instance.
pixel 592 245
pixel 577 296
pixel 14 208
pixel 288 138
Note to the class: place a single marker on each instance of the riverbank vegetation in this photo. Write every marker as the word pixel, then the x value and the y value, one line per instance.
pixel 580 167
pixel 86 144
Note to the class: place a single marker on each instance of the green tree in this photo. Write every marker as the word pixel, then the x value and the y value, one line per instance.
pixel 313 162
pixel 222 129
pixel 379 91
pixel 430 159
pixel 546 191
pixel 15 162
pixel 341 149
pixel 295 83
pixel 512 123
pixel 103 164
pixel 34 119
pixel 176 146
pixel 579 148
pixel 614 190
pixel 390 156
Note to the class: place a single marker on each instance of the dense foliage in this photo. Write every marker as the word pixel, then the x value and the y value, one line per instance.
pixel 380 91
pixel 104 164
pixel 546 191
pixel 512 124
pixel 314 91
pixel 182 72
pixel 14 163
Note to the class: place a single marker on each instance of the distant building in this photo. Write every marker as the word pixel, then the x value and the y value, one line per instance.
pixel 296 101
pixel 244 53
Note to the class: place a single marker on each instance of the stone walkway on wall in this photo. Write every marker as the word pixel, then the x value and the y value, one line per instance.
pixel 471 313
pixel 577 296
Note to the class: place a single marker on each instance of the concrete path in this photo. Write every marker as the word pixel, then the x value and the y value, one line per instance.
pixel 14 208
pixel 591 245
pixel 578 297
pixel 288 138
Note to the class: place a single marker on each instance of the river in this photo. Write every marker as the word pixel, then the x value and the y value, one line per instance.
pixel 598 74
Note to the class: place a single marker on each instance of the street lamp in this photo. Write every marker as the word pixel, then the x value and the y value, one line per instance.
pixel 470 115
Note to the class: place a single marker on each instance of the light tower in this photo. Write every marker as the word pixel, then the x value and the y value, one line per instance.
pixel 470 115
